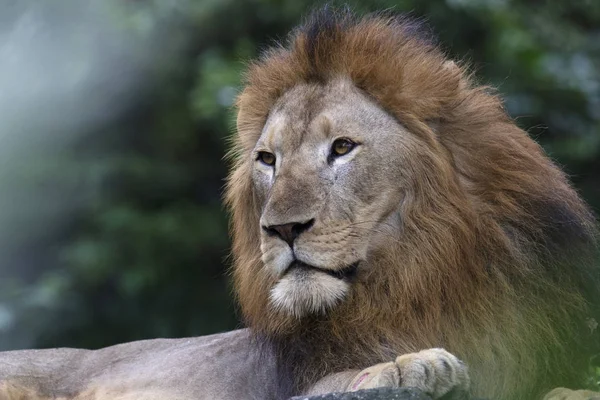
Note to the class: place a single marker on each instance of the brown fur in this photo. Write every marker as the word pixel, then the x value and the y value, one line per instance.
pixel 497 247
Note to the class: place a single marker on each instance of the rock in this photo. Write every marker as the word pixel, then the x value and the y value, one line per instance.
pixel 371 394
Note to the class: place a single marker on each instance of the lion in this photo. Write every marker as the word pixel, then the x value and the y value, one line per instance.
pixel 391 226
pixel 384 204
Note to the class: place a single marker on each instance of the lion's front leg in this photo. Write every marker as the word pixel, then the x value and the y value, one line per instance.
pixel 434 371
pixel 568 394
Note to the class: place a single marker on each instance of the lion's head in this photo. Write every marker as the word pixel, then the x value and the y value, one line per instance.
pixel 331 170
pixel 383 202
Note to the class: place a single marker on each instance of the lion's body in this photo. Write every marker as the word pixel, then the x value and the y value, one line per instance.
pixel 218 367
pixel 438 223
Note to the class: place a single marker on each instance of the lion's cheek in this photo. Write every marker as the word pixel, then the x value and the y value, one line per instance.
pixel 300 293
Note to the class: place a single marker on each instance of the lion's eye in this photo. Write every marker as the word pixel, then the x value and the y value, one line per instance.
pixel 341 147
pixel 266 158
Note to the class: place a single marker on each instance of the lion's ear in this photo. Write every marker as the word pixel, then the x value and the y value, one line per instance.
pixel 454 72
pixel 450 66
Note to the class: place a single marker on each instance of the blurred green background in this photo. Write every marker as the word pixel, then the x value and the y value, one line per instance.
pixel 114 119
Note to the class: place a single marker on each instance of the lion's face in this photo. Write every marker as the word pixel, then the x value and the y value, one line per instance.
pixel 330 173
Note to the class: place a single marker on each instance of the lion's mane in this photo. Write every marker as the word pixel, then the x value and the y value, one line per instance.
pixel 496 258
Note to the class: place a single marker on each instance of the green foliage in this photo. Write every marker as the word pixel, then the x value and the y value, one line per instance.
pixel 143 250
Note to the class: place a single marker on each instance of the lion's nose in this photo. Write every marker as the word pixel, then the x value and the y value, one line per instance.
pixel 289 232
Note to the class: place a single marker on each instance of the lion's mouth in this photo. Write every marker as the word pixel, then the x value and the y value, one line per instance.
pixel 346 273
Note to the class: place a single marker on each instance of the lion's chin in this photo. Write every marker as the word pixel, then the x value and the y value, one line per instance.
pixel 305 291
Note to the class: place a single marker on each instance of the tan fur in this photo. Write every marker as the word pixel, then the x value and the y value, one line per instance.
pixel 224 366
pixel 10 391
pixel 494 246
pixel 433 371
pixel 567 394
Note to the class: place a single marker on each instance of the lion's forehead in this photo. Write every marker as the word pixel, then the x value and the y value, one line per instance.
pixel 309 114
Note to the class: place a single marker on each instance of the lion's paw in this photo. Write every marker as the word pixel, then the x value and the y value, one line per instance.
pixel 433 371
pixel 568 394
